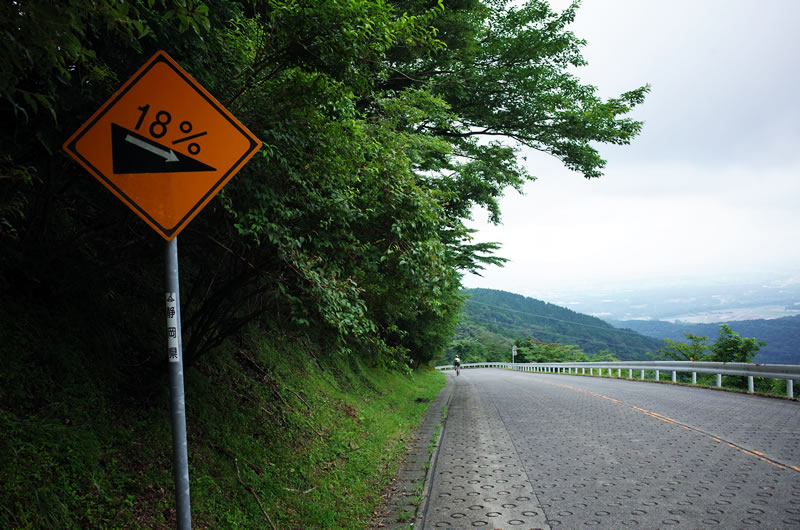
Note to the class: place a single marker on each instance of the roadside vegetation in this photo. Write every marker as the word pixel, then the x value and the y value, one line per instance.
pixel 279 437
pixel 315 288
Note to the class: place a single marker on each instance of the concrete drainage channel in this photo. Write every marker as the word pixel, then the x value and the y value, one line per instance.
pixel 407 500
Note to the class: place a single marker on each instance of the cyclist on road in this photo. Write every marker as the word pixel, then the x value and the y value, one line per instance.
pixel 457 364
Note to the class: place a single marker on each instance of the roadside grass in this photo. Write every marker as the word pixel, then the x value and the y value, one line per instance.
pixel 277 437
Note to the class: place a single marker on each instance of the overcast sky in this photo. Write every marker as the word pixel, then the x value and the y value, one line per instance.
pixel 709 190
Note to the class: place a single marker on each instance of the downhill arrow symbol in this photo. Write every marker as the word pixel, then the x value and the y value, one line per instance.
pixel 135 154
pixel 168 156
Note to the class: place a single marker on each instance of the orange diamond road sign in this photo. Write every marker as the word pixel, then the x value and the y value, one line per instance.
pixel 163 145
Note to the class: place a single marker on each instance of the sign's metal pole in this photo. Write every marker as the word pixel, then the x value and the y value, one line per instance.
pixel 180 456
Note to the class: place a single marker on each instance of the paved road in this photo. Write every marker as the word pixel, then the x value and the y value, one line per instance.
pixel 522 450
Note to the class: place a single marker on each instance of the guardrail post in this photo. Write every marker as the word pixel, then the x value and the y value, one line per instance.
pixel 658 375
pixel 694 378
pixel 719 380
pixel 630 373
pixel 619 372
pixel 642 375
pixel 750 384
pixel 674 376
pixel 790 389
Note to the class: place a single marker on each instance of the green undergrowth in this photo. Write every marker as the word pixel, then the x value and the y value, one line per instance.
pixel 279 437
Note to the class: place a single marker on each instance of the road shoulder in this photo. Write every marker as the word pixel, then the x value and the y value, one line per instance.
pixel 406 498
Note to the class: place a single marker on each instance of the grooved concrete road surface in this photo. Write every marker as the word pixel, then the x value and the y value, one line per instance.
pixel 523 450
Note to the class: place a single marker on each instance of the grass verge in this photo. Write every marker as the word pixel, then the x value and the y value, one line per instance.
pixel 277 438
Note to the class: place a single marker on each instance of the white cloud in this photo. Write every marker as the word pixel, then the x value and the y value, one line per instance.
pixel 711 187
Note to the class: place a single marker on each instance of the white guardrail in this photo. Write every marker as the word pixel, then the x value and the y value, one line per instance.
pixel 788 372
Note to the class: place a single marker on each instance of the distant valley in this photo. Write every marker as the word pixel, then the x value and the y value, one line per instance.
pixel 782 335
pixel 495 319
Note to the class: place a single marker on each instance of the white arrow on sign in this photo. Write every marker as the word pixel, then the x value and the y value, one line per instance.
pixel 168 156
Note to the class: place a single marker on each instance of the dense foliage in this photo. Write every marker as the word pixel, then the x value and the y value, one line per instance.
pixel 494 321
pixel 380 124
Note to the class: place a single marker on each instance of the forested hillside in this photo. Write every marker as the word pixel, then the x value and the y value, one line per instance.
pixel 782 335
pixel 493 321
pixel 337 250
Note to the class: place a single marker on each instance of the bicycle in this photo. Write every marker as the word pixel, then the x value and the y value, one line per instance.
pixel 458 370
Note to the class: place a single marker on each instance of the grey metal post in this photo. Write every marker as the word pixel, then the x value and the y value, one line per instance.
pixel 658 375
pixel 642 375
pixel 750 384
pixel 694 378
pixel 180 454
pixel 630 373
pixel 674 376
pixel 790 389
pixel 719 380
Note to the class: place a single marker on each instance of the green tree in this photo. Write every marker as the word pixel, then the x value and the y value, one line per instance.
pixel 731 348
pixel 532 351
pixel 695 350
pixel 505 73
pixel 468 350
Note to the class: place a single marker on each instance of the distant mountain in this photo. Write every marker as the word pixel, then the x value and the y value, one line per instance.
pixel 497 318
pixel 782 335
